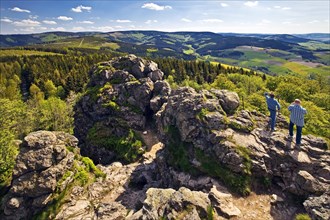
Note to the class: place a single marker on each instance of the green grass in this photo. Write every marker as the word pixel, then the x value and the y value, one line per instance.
pixel 205 45
pixel 210 165
pixel 189 51
pixel 169 42
pixel 111 45
pixel 302 217
pixel 51 37
pixel 14 52
pixel 89 42
pixel 304 70
pixel 90 167
pixel 315 45
pixel 178 151
pixel 127 148
pixel 152 50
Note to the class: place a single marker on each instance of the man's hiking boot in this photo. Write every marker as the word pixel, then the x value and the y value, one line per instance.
pixel 273 130
pixel 289 138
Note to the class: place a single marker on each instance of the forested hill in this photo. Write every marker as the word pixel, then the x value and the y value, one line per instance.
pixel 271 54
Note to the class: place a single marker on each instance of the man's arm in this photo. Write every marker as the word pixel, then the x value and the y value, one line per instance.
pixel 278 105
pixel 291 106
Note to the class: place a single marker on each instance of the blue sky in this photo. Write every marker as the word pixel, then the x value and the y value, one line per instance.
pixel 266 16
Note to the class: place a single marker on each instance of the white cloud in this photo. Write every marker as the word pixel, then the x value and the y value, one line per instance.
pixel 251 4
pixel 103 28
pixel 17 9
pixel 185 20
pixel 224 5
pixel 287 22
pixel 78 29
pixel 151 21
pixel 282 8
pixel 33 16
pixel 80 8
pixel 264 22
pixel 153 6
pixel 64 18
pixel 86 22
pixel 123 21
pixel 58 29
pixel 26 23
pixel 313 22
pixel 49 22
pixel 7 20
pixel 42 28
pixel 212 20
pixel 28 29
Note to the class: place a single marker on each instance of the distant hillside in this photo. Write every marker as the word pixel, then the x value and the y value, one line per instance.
pixel 272 54
pixel 316 36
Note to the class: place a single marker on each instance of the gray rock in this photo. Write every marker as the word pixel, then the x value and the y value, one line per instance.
pixel 111 211
pixel 171 203
pixel 229 101
pixel 223 203
pixel 41 163
pixel 81 209
pixel 308 183
pixel 318 207
pixel 156 75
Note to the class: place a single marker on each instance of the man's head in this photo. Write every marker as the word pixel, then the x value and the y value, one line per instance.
pixel 297 101
pixel 271 95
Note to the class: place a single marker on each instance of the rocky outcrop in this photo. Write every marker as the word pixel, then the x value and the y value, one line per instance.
pixel 206 127
pixel 208 137
pixel 318 206
pixel 173 204
pixel 40 166
pixel 207 140
pixel 123 95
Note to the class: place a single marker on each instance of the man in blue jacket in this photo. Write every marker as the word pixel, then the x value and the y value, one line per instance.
pixel 296 118
pixel 273 106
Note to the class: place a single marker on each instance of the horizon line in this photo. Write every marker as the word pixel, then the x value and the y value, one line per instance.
pixel 164 32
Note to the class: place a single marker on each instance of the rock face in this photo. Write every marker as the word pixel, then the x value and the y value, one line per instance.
pixel 123 94
pixel 318 207
pixel 40 165
pixel 172 204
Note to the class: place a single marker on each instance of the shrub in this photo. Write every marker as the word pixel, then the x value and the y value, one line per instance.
pixel 210 165
pixel 90 167
pixel 302 217
pixel 178 151
pixel 127 148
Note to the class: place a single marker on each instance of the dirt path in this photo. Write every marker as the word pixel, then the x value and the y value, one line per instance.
pixel 82 40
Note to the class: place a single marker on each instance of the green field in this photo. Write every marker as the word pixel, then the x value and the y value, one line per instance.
pixel 314 45
pixel 85 42
pixel 152 50
pixel 14 52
